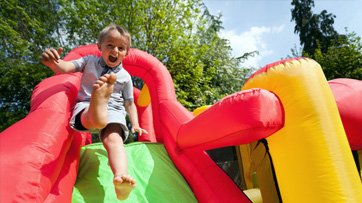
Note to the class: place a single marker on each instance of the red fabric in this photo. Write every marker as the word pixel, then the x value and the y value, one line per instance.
pixel 348 95
pixel 145 120
pixel 62 189
pixel 34 149
pixel 240 118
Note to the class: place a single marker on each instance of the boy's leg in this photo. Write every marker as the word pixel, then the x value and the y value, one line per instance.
pixel 117 158
pixel 96 116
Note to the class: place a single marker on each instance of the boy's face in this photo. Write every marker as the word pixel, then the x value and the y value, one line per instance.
pixel 114 48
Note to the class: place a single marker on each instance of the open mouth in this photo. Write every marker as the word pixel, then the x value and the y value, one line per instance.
pixel 112 58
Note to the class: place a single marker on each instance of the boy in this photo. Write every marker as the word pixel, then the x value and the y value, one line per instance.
pixel 106 93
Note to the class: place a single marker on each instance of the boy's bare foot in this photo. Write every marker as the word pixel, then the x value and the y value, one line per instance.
pixel 102 90
pixel 124 185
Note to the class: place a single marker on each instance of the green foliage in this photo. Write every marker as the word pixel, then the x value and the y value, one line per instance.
pixel 180 33
pixel 315 30
pixel 339 55
pixel 25 29
pixel 343 59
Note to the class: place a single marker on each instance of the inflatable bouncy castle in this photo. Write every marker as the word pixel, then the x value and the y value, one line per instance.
pixel 288 104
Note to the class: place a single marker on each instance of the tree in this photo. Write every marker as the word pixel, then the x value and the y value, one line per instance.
pixel 225 74
pixel 315 30
pixel 26 27
pixel 339 55
pixel 343 59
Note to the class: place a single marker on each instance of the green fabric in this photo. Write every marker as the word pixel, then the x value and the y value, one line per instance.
pixel 157 178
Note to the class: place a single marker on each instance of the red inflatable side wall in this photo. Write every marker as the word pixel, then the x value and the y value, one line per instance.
pixel 40 153
pixel 33 151
pixel 348 95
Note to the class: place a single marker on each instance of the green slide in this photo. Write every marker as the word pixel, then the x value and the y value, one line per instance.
pixel 157 178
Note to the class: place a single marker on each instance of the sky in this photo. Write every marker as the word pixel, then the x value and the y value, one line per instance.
pixel 266 26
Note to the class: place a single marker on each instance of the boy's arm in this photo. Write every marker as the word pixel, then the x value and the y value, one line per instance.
pixel 51 58
pixel 133 117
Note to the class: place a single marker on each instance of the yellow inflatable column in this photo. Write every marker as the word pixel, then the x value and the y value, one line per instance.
pixel 311 155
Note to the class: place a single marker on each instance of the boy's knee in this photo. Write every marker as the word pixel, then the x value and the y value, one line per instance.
pixel 99 123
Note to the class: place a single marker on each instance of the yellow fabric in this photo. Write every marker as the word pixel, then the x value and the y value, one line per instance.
pixel 262 165
pixel 255 161
pixel 254 195
pixel 311 154
pixel 360 162
pixel 144 98
pixel 244 160
pixel 200 109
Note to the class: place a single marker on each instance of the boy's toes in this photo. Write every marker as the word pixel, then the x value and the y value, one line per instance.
pixel 112 78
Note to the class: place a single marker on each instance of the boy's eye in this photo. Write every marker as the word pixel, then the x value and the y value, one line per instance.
pixel 120 48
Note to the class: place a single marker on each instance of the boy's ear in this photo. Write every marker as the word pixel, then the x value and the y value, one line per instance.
pixel 99 46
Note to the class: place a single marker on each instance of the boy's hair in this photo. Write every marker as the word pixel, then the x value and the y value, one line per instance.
pixel 120 29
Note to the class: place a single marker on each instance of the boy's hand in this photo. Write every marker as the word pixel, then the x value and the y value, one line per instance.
pixel 50 56
pixel 139 130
